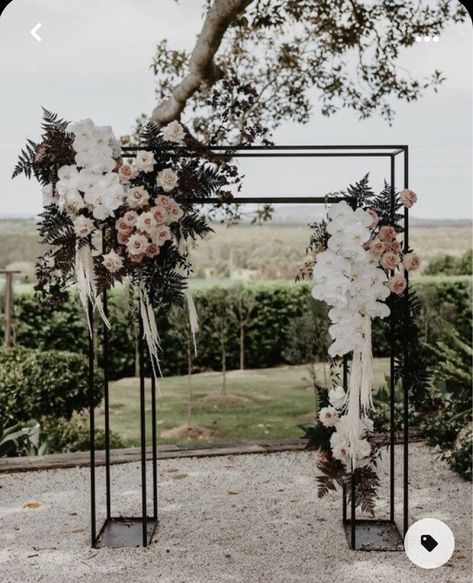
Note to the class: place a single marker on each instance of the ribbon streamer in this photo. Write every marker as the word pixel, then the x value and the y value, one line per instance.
pixel 86 283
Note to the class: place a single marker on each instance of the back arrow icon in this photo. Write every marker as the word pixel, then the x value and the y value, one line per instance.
pixel 34 34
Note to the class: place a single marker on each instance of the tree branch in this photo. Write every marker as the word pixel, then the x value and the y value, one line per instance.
pixel 202 68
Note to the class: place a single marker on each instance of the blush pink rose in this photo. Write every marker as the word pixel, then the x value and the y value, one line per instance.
pixel 389 260
pixel 160 214
pixel 411 262
pixel 377 247
pixel 130 218
pixel 152 250
pixel 393 246
pixel 127 172
pixel 374 218
pixel 397 284
pixel 122 226
pixel 163 234
pixel 164 201
pixel 408 197
pixel 387 233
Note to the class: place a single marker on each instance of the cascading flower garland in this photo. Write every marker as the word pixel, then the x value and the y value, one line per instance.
pixel 357 265
pixel 106 219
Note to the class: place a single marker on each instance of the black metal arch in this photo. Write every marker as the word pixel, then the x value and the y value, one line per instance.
pixel 364 534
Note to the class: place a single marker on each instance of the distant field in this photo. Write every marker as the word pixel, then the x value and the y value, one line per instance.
pixel 271 251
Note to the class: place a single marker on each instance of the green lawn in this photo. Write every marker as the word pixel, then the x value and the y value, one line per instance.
pixel 269 403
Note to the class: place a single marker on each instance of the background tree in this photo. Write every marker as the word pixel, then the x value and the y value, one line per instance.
pixel 308 343
pixel 258 63
pixel 243 302
pixel 179 323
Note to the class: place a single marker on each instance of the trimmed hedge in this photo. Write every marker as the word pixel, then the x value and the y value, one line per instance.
pixel 276 305
pixel 35 383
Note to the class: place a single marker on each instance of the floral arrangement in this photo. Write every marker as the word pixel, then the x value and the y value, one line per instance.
pixel 106 219
pixel 358 266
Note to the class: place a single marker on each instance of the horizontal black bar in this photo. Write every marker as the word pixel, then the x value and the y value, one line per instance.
pixel 275 200
pixel 399 148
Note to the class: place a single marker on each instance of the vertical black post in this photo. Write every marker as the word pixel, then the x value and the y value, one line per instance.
pixel 392 385
pixel 353 511
pixel 345 386
pixel 154 446
pixel 106 396
pixel 405 384
pixel 143 434
pixel 93 526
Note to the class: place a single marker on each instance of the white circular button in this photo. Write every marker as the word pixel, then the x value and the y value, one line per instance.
pixel 429 543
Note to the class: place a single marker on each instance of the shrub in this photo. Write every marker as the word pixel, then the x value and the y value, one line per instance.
pixel 35 383
pixel 62 436
pixel 268 331
pixel 450 265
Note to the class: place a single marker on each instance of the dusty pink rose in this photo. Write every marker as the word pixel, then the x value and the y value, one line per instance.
pixel 152 250
pixel 162 235
pixel 130 218
pixel 374 218
pixel 387 233
pixel 146 222
pixel 393 246
pixel 389 260
pixel 411 262
pixel 122 226
pixel 160 214
pixel 164 201
pixel 137 258
pixel 321 458
pixel 175 212
pixel 127 172
pixel 123 238
pixel 408 197
pixel 397 284
pixel 377 247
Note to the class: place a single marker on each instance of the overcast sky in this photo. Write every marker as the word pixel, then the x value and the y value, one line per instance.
pixel 94 62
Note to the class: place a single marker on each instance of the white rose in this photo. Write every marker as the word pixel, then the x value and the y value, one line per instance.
pixel 174 132
pixel 137 197
pixel 167 179
pixel 337 397
pixel 146 222
pixel 83 226
pixel 328 416
pixel 341 453
pixel 137 244
pixel 145 161
pixel 112 261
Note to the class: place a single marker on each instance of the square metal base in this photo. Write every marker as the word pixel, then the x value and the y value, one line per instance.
pixel 125 532
pixel 374 535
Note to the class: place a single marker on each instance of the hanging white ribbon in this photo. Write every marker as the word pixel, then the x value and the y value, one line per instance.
pixel 86 284
pixel 193 318
pixel 353 405
pixel 150 331
pixel 366 394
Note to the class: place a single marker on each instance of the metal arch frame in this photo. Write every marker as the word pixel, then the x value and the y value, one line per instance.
pixel 373 534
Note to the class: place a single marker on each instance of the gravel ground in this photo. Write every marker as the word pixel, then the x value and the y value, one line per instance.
pixel 241 519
